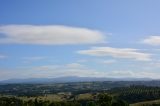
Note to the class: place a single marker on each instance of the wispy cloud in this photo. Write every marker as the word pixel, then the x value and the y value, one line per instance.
pixel 127 53
pixel 59 70
pixel 134 74
pixel 33 59
pixel 49 35
pixel 75 65
pixel 152 40
pixel 2 56
pixel 108 61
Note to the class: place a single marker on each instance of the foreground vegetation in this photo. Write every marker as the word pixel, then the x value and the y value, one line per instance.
pixel 100 100
pixel 81 94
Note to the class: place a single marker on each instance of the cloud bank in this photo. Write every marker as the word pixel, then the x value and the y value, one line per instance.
pixel 73 69
pixel 127 53
pixel 49 35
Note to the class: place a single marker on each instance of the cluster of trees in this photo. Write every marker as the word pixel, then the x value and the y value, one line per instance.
pixel 101 100
pixel 10 101
pixel 135 94
pixel 106 100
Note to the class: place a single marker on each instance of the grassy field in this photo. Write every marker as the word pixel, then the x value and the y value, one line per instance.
pixel 146 103
pixel 86 96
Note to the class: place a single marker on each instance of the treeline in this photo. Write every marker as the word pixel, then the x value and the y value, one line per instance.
pixel 101 100
pixel 135 94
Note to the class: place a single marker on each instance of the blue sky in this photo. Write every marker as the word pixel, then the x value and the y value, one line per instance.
pixel 100 38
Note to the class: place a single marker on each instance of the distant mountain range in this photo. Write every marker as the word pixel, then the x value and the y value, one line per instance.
pixel 69 79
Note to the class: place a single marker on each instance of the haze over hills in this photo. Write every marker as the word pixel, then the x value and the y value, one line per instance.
pixel 70 79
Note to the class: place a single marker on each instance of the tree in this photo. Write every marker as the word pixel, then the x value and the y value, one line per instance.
pixel 104 100
pixel 118 102
pixel 91 103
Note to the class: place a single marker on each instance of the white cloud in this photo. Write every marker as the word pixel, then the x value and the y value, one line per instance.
pixel 152 40
pixel 127 53
pixel 49 35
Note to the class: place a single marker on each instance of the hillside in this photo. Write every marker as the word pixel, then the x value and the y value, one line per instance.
pixel 147 103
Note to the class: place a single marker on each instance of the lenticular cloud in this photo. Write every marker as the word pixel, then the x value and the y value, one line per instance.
pixel 49 35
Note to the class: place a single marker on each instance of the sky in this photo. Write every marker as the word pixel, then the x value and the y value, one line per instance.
pixel 85 38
